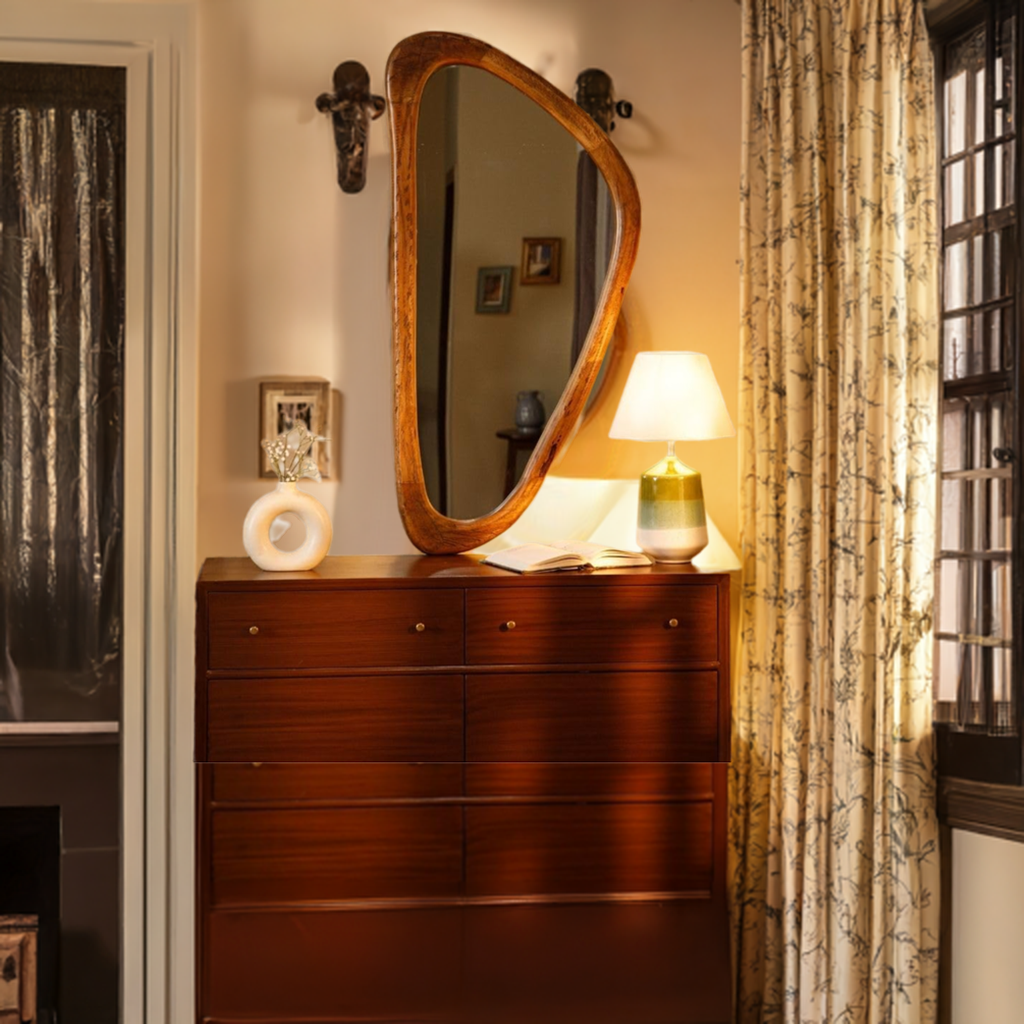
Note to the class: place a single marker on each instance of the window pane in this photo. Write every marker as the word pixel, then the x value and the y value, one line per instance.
pixel 1002 619
pixel 992 267
pixel 999 422
pixel 956 193
pixel 978 359
pixel 971 710
pixel 976 515
pixel 956 114
pixel 1007 263
pixel 965 64
pixel 978 512
pixel 1004 716
pixel 979 434
pixel 977 270
pixel 956 277
pixel 954 354
pixel 950 595
pixel 994 339
pixel 954 433
pixel 979 105
pixel 952 503
pixel 979 185
pixel 1000 505
pixel 1003 189
pixel 1005 70
pixel 948 670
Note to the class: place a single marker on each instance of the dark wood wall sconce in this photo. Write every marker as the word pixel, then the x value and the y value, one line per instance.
pixel 352 107
pixel 595 93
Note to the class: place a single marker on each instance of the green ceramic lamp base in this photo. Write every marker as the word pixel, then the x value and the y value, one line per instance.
pixel 671 525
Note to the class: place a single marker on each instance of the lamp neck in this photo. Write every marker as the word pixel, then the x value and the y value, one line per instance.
pixel 671 449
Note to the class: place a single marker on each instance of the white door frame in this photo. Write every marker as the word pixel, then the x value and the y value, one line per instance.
pixel 155 43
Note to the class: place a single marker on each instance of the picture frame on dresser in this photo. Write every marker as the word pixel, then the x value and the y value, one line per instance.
pixel 288 401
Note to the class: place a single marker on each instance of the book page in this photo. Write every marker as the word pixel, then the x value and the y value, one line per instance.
pixel 600 557
pixel 533 558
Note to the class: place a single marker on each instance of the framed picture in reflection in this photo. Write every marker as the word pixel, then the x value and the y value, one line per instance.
pixel 542 261
pixel 493 289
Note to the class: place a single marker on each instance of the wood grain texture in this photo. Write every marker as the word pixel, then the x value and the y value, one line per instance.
pixel 335 629
pixel 983 807
pixel 202 653
pixel 611 964
pixel 636 716
pixel 355 718
pixel 589 849
pixel 433 572
pixel 411 63
pixel 262 857
pixel 595 624
pixel 609 781
pixel 302 783
pixel 334 966
pixel 724 673
pixel 203 880
pixel 340 879
pixel 641 963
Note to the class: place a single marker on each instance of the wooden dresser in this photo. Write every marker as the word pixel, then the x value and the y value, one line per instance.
pixel 433 790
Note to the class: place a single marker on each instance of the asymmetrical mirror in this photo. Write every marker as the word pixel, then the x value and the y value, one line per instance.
pixel 515 231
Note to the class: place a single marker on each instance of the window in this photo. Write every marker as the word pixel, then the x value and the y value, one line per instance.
pixel 979 571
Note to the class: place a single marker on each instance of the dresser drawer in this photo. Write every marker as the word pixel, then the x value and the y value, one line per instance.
pixel 600 716
pixel 347 718
pixel 265 782
pixel 331 965
pixel 316 855
pixel 351 629
pixel 599 963
pixel 594 780
pixel 593 623
pixel 595 849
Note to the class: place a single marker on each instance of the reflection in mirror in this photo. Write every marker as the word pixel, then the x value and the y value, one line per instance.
pixel 494 169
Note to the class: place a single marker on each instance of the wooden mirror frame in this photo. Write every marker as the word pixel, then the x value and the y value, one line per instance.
pixel 410 65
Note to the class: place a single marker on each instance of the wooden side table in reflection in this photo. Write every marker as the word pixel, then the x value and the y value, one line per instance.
pixel 518 441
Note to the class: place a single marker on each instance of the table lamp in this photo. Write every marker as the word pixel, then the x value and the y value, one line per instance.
pixel 671 396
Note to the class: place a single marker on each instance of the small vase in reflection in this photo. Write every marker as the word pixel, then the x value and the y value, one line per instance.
pixel 530 413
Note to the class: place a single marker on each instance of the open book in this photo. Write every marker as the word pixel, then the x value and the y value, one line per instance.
pixel 567 554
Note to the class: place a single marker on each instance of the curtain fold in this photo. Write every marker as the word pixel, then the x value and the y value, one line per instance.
pixel 833 834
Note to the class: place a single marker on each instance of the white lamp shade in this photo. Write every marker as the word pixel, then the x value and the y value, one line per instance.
pixel 671 396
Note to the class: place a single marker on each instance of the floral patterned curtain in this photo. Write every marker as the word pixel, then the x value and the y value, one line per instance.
pixel 833 834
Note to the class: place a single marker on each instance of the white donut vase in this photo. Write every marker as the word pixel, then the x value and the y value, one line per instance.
pixel 286 497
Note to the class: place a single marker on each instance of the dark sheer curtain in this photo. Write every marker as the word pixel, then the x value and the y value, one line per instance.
pixel 62 160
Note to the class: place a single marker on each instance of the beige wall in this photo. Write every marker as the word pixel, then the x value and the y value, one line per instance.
pixel 988 930
pixel 294 273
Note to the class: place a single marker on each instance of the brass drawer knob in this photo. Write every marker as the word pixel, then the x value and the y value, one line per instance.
pixel 672 623
pixel 254 630
pixel 509 625
pixel 420 627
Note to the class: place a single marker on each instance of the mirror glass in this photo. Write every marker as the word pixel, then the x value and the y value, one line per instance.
pixel 515 231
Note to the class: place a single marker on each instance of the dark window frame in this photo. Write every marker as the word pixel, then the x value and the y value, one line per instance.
pixel 972 756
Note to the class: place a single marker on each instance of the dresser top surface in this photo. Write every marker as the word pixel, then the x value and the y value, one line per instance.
pixel 434 570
